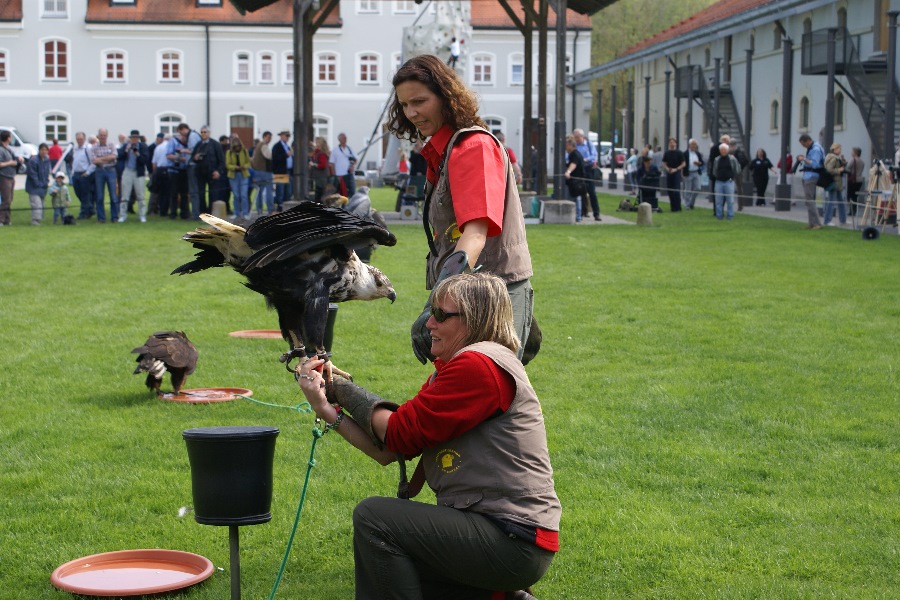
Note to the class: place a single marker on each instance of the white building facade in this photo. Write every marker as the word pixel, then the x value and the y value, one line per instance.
pixel 79 65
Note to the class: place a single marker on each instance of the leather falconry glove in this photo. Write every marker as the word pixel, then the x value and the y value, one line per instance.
pixel 359 403
pixel 456 263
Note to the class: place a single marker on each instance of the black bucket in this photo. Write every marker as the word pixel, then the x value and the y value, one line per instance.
pixel 231 473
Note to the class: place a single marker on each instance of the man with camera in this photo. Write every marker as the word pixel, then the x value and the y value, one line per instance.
pixel 135 155
pixel 812 163
pixel 209 159
pixel 9 164
pixel 343 159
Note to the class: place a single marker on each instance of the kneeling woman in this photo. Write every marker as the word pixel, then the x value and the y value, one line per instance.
pixel 478 426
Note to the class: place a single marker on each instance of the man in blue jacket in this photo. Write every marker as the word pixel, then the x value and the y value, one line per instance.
pixel 812 162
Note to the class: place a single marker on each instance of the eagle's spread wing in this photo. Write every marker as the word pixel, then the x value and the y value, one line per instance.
pixel 307 227
pixel 172 348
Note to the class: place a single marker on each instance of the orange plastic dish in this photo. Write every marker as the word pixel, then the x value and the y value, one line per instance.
pixel 268 334
pixel 206 395
pixel 132 572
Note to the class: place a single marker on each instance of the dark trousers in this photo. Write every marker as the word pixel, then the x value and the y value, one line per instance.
pixel 7 187
pixel 591 192
pixel 673 185
pixel 164 195
pixel 761 185
pixel 852 195
pixel 83 186
pixel 411 550
pixel 179 186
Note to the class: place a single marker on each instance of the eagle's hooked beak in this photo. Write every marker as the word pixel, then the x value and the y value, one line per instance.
pixel 392 296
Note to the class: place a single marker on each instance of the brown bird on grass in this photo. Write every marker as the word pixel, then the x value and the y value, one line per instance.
pixel 166 351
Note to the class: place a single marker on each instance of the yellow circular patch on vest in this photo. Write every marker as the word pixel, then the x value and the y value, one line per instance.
pixel 448 460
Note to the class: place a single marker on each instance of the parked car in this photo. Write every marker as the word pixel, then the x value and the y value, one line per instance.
pixel 620 156
pixel 18 146
pixel 605 153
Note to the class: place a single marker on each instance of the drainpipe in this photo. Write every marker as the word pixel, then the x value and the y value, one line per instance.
pixel 690 117
pixel 667 122
pixel 891 100
pixel 783 189
pixel 748 106
pixel 206 29
pixel 646 109
pixel 829 89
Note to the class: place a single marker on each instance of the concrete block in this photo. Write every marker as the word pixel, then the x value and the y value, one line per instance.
pixel 525 199
pixel 558 211
pixel 645 214
pixel 218 210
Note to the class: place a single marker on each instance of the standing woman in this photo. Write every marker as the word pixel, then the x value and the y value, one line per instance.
pixel 37 180
pixel 472 213
pixel 834 193
pixel 759 168
pixel 855 178
pixel 574 175
pixel 318 166
pixel 237 167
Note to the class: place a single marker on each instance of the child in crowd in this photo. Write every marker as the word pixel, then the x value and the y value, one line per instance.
pixel 59 195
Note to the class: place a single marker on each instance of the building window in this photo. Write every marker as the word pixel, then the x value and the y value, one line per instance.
pixel 4 71
pixel 114 66
pixel 804 114
pixel 56 60
pixel 776 38
pixel 494 124
pixel 326 68
pixel 402 7
pixel 395 63
pixel 774 117
pixel 288 76
pixel 707 58
pixel 368 7
pixel 368 71
pixel 321 127
pixel 482 69
pixel 242 68
pixel 517 69
pixel 168 123
pixel 170 66
pixel 266 68
pixel 839 110
pixel 55 127
pixel 54 9
pixel 568 64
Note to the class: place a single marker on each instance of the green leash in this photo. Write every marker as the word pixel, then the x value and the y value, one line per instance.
pixel 316 433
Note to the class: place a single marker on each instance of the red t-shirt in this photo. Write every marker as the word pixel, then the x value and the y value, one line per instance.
pixel 55 152
pixel 477 176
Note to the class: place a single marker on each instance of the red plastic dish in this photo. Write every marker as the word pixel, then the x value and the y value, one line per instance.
pixel 132 572
pixel 268 334
pixel 206 395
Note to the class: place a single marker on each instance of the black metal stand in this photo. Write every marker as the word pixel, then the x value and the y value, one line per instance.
pixel 234 546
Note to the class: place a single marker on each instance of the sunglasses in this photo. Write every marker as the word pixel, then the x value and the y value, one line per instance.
pixel 440 316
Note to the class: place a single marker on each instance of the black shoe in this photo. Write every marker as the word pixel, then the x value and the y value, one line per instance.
pixel 597 218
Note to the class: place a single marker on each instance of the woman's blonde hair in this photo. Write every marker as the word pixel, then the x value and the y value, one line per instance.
pixel 322 145
pixel 460 107
pixel 484 305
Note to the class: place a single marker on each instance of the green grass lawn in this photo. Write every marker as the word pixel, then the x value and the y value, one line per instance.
pixel 721 403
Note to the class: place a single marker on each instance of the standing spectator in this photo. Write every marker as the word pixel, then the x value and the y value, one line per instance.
pixel 674 162
pixel 104 155
pixel 180 150
pixel 237 165
pixel 282 167
pixel 318 166
pixel 574 175
pixel 55 153
pixel 37 178
pixel 742 191
pixel 209 161
pixel 727 170
pixel 153 202
pixel 631 168
pixel 759 169
pixel 134 156
pixel 261 163
pixel 812 162
pixel 788 161
pixel 160 182
pixel 856 169
pixel 589 153
pixel 83 176
pixel 692 169
pixel 9 164
pixel 417 163
pixel 713 154
pixel 343 159
pixel 59 197
pixel 517 170
pixel 835 164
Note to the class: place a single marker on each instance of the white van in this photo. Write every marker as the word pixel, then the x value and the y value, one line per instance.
pixel 18 146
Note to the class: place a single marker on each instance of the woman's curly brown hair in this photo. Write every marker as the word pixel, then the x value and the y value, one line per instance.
pixel 460 107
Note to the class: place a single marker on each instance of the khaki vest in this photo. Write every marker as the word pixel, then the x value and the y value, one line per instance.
pixel 505 255
pixel 502 466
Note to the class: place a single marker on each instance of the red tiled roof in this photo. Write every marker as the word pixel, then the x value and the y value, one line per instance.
pixel 11 10
pixel 712 14
pixel 488 14
pixel 189 12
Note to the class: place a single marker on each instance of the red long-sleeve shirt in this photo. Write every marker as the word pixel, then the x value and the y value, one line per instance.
pixel 467 390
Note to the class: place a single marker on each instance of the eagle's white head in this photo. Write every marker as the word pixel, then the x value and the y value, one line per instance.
pixel 363 282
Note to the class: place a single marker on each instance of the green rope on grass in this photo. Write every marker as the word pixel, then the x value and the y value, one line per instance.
pixel 317 433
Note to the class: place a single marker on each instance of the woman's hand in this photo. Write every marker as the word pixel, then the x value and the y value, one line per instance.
pixel 309 377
